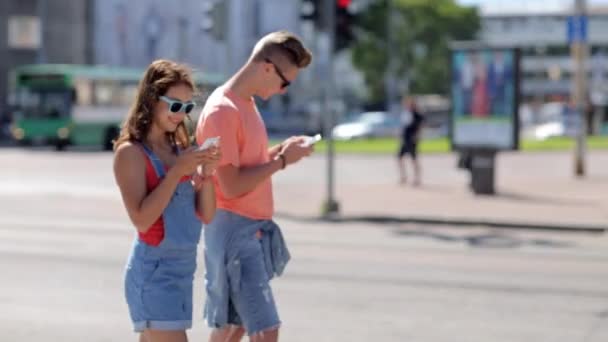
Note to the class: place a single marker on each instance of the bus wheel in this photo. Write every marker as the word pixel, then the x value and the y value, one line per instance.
pixel 61 144
pixel 111 134
pixel 24 142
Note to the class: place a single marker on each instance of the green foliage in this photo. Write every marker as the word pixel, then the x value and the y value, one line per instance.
pixel 422 30
pixel 442 145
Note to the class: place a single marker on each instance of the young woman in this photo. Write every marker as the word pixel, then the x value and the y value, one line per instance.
pixel 166 195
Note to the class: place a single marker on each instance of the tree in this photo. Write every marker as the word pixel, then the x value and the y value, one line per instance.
pixel 422 30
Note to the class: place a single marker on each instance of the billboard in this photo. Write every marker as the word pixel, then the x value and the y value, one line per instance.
pixel 484 91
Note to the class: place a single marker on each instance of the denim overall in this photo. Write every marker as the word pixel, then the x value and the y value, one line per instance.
pixel 158 281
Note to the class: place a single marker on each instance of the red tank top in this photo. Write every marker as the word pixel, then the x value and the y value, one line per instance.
pixel 155 234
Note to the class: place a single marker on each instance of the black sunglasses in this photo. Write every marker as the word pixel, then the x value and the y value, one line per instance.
pixel 286 82
pixel 176 106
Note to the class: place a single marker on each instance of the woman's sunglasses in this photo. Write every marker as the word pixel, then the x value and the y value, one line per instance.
pixel 176 106
pixel 286 82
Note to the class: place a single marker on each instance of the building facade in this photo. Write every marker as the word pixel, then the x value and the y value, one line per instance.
pixel 132 33
pixel 547 66
pixel 135 32
pixel 36 31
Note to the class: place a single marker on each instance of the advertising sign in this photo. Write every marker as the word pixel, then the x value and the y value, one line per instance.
pixel 484 98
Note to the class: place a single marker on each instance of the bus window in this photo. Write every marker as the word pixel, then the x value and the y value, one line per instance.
pixel 56 104
pixel 114 94
pixel 45 104
pixel 84 93
pixel 127 94
pixel 103 94
pixel 28 99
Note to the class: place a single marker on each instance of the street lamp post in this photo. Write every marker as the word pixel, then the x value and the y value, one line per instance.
pixel 389 77
pixel 577 29
pixel 330 206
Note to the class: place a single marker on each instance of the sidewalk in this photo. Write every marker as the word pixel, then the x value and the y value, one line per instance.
pixel 534 190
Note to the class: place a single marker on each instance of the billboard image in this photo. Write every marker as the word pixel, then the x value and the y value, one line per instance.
pixel 484 98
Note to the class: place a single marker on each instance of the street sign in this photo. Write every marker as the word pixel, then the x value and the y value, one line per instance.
pixel 576 27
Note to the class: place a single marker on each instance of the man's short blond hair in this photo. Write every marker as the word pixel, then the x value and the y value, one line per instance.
pixel 285 44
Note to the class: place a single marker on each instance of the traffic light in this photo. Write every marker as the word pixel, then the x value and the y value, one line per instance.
pixel 343 25
pixel 215 18
pixel 344 19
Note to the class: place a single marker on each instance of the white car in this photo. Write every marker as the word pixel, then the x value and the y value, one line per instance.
pixel 553 120
pixel 368 125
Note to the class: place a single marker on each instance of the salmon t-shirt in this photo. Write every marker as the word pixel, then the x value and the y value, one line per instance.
pixel 243 142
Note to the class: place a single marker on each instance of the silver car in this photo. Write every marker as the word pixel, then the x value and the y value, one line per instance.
pixel 368 125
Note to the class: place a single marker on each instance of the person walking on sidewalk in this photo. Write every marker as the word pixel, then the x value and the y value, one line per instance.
pixel 166 198
pixel 409 141
pixel 244 248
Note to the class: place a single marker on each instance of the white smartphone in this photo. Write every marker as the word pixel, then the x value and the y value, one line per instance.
pixel 312 140
pixel 213 141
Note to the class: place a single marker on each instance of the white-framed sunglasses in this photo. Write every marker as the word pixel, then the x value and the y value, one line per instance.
pixel 176 106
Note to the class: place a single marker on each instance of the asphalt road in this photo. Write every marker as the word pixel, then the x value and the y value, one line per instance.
pixel 64 239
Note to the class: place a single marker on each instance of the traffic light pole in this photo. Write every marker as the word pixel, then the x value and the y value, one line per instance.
pixel 579 54
pixel 389 77
pixel 331 206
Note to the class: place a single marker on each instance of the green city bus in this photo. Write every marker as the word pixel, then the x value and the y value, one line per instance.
pixel 81 105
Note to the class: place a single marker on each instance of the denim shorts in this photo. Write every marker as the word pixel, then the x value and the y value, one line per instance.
pixel 237 277
pixel 158 288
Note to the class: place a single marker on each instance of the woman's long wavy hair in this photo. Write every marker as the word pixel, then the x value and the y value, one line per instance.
pixel 158 78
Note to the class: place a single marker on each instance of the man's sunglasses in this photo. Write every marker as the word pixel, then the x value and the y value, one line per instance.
pixel 286 82
pixel 176 106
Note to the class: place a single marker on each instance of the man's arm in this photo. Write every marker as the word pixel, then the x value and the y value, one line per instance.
pixel 274 150
pixel 236 181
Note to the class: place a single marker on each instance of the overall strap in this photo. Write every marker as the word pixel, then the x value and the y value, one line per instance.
pixel 157 164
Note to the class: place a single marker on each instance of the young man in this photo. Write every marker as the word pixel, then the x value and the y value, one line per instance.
pixel 244 248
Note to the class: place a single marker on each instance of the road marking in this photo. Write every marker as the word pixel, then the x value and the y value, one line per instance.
pixel 37 187
pixel 67 223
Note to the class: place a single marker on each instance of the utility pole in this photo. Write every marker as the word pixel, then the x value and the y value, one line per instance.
pixel 389 77
pixel 328 13
pixel 577 35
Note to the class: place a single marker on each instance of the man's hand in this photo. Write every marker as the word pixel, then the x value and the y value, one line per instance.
pixel 293 150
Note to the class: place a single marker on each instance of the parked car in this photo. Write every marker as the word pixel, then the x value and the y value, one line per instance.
pixel 368 125
pixel 552 120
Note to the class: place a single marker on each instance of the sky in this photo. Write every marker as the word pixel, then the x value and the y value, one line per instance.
pixel 493 6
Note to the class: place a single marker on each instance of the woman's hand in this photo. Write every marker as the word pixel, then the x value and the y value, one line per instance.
pixel 212 160
pixel 198 181
pixel 207 169
pixel 188 161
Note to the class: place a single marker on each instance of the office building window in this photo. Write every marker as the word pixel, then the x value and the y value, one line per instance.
pixel 24 32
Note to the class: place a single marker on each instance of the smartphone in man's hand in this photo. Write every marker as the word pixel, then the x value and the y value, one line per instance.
pixel 311 140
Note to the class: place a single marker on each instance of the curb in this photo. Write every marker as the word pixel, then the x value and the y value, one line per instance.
pixel 574 228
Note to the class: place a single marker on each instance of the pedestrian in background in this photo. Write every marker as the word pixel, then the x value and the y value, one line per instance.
pixel 244 248
pixel 409 141
pixel 166 198
pixel 6 119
